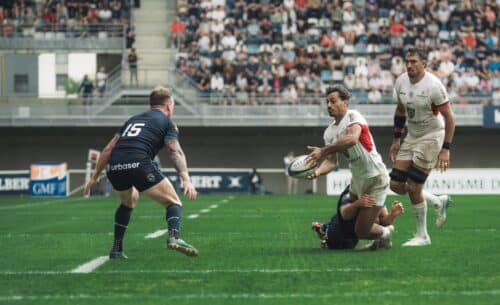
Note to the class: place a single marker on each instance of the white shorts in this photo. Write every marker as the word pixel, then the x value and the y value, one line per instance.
pixel 377 187
pixel 423 151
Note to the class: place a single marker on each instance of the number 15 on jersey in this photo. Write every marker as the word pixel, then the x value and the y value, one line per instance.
pixel 133 129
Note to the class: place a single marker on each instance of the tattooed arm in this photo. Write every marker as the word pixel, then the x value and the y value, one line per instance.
pixel 178 158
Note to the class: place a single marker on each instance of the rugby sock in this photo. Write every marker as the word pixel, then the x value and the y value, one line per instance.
pixel 420 212
pixel 386 233
pixel 433 199
pixel 122 217
pixel 174 217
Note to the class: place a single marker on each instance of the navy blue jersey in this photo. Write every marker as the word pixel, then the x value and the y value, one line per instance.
pixel 143 135
pixel 341 234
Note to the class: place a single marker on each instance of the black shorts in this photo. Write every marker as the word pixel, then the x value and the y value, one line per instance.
pixel 141 174
pixel 341 234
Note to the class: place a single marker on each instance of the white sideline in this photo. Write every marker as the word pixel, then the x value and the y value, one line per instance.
pixel 91 265
pixel 214 206
pixel 204 296
pixel 202 271
pixel 193 216
pixel 41 203
pixel 157 234
pixel 205 211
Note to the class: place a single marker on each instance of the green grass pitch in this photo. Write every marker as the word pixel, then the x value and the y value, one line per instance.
pixel 253 250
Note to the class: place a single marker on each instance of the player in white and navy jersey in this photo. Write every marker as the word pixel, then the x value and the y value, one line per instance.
pixel 422 101
pixel 349 136
pixel 128 159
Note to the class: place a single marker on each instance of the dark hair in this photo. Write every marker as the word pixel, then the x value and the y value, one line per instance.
pixel 343 92
pixel 419 52
pixel 159 96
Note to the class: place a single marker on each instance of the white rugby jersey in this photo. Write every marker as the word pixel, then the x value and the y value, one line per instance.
pixel 421 101
pixel 364 160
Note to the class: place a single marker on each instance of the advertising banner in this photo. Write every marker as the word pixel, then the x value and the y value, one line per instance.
pixel 215 182
pixel 467 181
pixel 491 116
pixel 14 183
pixel 49 179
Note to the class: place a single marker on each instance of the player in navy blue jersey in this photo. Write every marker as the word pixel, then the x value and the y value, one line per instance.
pixel 339 233
pixel 128 159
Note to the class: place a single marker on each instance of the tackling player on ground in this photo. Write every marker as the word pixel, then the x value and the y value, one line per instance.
pixel 339 233
pixel 128 159
pixel 422 99
pixel 350 136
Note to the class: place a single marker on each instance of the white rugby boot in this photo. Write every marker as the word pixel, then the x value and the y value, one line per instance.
pixel 418 241
pixel 442 209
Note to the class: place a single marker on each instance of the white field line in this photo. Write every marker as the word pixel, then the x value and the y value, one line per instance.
pixel 201 271
pixel 41 203
pixel 157 234
pixel 193 216
pixel 205 211
pixel 203 296
pixel 91 265
pixel 214 206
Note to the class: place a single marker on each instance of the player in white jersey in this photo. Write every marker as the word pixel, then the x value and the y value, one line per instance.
pixel 350 136
pixel 422 98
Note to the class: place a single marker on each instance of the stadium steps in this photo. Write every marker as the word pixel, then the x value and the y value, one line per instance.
pixel 151 42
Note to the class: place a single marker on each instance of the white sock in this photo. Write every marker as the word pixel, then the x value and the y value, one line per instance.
pixel 420 212
pixel 386 233
pixel 431 198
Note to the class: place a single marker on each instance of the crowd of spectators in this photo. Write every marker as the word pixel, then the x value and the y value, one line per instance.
pixel 288 51
pixel 69 18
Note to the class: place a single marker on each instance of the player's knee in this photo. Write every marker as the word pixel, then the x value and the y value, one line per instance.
pixel 398 187
pixel 398 181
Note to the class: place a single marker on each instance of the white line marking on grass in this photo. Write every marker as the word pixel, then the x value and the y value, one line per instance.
pixel 91 266
pixel 200 271
pixel 193 216
pixel 41 203
pixel 157 234
pixel 214 206
pixel 346 294
pixel 205 211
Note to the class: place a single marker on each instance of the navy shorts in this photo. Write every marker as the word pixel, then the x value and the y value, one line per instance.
pixel 340 234
pixel 141 174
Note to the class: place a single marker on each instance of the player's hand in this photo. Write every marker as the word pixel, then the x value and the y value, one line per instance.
pixel 393 151
pixel 397 208
pixel 366 201
pixel 443 160
pixel 89 185
pixel 315 155
pixel 313 175
pixel 189 190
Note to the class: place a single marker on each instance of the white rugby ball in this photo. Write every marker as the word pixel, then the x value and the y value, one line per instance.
pixel 298 168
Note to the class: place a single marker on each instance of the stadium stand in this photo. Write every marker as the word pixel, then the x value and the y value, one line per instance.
pixel 51 19
pixel 287 52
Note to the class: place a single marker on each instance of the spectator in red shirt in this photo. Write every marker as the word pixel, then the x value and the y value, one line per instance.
pixel 470 40
pixel 397 28
pixel 177 30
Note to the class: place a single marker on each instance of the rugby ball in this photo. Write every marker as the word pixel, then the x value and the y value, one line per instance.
pixel 298 168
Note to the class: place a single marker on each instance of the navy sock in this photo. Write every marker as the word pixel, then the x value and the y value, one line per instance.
pixel 174 217
pixel 122 218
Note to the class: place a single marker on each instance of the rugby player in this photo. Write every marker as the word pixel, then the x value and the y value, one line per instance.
pixel 339 233
pixel 422 98
pixel 349 135
pixel 128 159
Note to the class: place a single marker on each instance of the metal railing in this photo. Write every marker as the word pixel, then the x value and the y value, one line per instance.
pixel 86 37
pixel 71 112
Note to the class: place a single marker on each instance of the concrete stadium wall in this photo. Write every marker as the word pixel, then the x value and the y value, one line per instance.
pixel 225 147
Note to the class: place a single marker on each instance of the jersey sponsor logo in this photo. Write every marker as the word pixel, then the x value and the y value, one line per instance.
pixel 122 166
